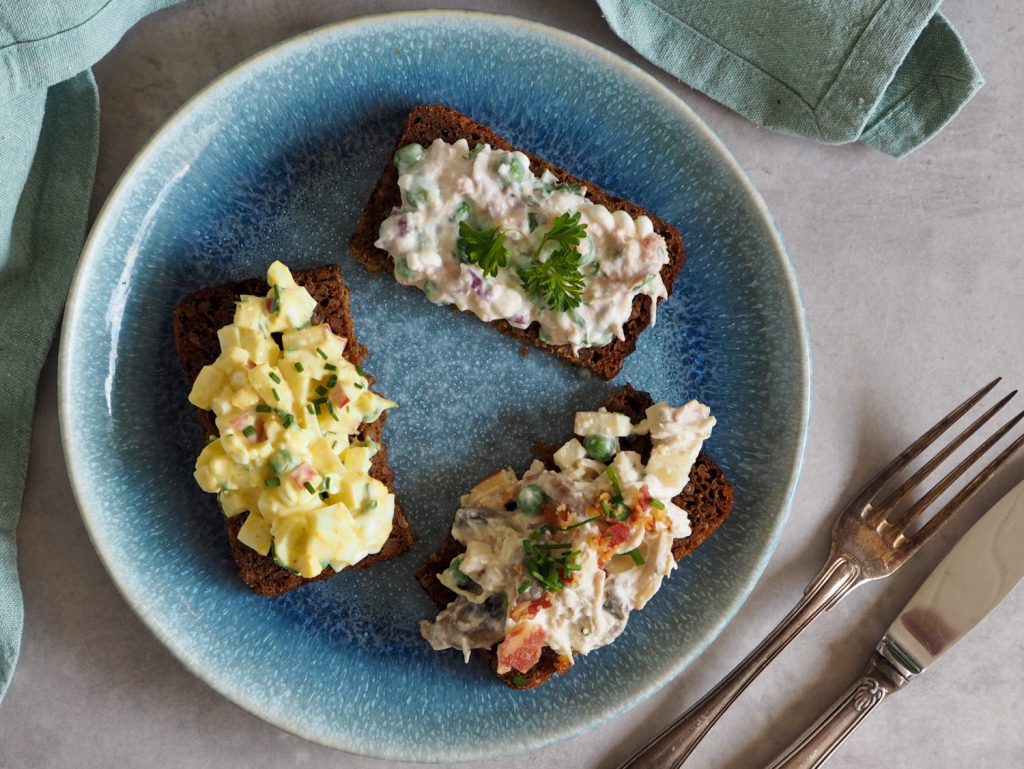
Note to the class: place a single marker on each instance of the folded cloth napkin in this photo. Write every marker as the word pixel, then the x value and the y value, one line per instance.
pixel 887 72
pixel 49 132
pixel 890 73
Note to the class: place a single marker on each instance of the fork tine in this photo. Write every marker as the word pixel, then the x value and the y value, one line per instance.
pixel 915 510
pixel 913 481
pixel 907 455
pixel 968 491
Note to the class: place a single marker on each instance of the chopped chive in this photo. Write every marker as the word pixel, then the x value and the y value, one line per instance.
pixel 309 487
pixel 320 401
pixel 263 408
pixel 610 471
pixel 334 415
pixel 638 559
pixel 333 380
pixel 330 367
pixel 277 299
pixel 327 483
pixel 321 390
pixel 321 353
pixel 272 481
pixel 359 370
pixel 274 391
pixel 316 407
pixel 288 421
pixel 583 522
pixel 249 431
pixel 275 377
pixel 524 586
pixel 298 367
pixel 518 680
pixel 309 407
pixel 361 387
pixel 658 504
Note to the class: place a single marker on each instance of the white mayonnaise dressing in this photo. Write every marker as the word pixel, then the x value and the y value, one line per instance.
pixel 619 560
pixel 445 184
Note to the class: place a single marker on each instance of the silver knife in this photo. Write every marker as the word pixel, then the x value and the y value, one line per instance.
pixel 969 583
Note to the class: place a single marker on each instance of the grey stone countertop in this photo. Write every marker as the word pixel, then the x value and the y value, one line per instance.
pixel 911 273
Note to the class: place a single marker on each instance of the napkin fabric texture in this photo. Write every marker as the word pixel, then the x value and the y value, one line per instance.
pixel 890 73
pixel 887 72
pixel 49 135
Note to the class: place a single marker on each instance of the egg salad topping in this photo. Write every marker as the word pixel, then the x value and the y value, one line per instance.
pixel 560 557
pixel 480 229
pixel 290 410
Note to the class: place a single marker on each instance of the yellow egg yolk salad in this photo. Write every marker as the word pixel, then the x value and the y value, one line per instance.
pixel 289 410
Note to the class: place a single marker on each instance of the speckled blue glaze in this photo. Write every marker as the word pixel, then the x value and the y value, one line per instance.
pixel 275 160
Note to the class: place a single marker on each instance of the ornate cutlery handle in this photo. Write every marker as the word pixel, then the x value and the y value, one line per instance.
pixel 674 744
pixel 815 745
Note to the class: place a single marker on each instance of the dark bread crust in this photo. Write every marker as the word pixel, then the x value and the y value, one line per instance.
pixel 424 124
pixel 707 498
pixel 197 318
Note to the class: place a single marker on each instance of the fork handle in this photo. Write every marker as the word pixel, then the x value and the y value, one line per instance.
pixel 814 746
pixel 670 748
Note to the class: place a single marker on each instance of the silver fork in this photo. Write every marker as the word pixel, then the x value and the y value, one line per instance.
pixel 871 539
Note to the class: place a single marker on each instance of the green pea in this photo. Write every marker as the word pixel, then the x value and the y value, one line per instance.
pixel 418 197
pixel 409 155
pixel 531 499
pixel 461 212
pixel 282 461
pixel 513 170
pixel 403 270
pixel 601 447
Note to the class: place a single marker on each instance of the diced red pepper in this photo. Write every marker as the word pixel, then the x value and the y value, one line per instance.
pixel 338 397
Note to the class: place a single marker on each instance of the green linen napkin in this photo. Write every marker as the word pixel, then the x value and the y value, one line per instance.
pixel 890 73
pixel 49 134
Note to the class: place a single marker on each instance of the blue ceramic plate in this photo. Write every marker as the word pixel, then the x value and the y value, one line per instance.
pixel 275 160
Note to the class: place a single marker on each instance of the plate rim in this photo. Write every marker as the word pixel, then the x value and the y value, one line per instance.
pixel 156 141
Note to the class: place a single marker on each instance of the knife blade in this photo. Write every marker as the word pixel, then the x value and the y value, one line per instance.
pixel 981 569
pixel 978 573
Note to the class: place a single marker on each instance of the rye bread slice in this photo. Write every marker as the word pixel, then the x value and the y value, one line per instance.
pixel 707 498
pixel 197 318
pixel 424 124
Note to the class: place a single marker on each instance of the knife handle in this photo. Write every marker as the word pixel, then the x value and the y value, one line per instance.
pixel 814 746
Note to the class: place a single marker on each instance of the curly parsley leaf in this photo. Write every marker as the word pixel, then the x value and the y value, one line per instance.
pixel 483 247
pixel 557 281
pixel 566 232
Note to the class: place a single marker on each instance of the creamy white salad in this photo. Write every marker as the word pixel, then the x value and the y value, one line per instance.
pixel 559 558
pixel 478 229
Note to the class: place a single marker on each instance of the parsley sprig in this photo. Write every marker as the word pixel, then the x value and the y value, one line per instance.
pixel 483 247
pixel 558 280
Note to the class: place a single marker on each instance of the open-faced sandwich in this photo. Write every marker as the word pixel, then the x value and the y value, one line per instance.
pixel 294 450
pixel 540 254
pixel 540 568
